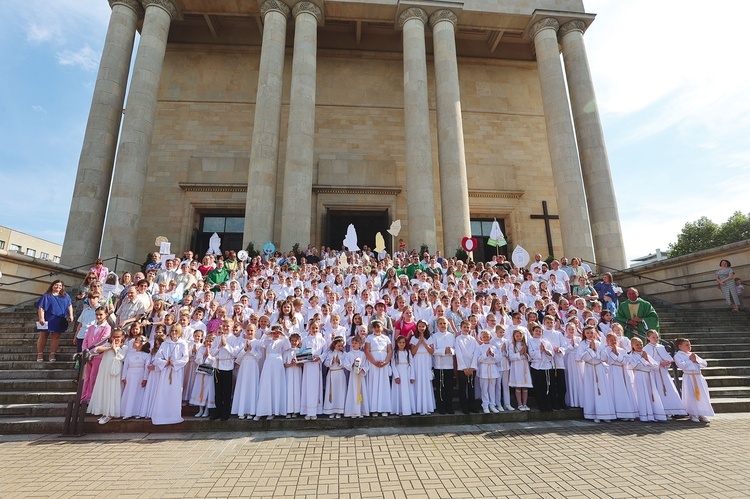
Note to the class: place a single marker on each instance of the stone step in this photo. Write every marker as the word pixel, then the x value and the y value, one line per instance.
pixel 722 392
pixel 720 370
pixel 23 365
pixel 715 361
pixel 66 343
pixel 39 374
pixel 724 405
pixel 36 385
pixel 39 397
pixel 32 410
pixel 727 381
pixel 31 356
pixel 718 347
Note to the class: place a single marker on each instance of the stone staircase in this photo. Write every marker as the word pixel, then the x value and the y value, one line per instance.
pixel 34 395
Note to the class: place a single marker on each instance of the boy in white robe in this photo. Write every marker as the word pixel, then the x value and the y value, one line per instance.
pixel 695 394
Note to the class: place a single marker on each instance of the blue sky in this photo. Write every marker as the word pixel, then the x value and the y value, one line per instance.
pixel 670 76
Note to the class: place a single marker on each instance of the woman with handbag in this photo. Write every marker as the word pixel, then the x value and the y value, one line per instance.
pixel 55 312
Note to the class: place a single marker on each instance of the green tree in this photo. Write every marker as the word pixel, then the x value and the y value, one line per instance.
pixel 695 236
pixel 704 234
pixel 737 228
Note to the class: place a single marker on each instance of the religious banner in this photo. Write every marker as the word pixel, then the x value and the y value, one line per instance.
pixel 520 257
pixel 497 238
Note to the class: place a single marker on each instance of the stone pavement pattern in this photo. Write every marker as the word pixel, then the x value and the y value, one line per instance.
pixel 545 459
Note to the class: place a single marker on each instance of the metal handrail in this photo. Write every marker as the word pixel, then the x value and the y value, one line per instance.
pixel 633 274
pixel 76 412
pixel 116 258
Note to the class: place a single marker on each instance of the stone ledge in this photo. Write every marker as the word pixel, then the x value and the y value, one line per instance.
pixel 354 189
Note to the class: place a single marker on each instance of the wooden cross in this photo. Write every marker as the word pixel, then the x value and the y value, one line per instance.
pixel 547 217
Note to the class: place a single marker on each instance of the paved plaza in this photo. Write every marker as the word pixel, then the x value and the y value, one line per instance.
pixel 544 459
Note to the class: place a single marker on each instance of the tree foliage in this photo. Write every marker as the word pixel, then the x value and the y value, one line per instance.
pixel 704 234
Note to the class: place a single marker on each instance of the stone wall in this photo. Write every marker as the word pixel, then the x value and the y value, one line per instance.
pixel 17 267
pixel 690 279
pixel 204 125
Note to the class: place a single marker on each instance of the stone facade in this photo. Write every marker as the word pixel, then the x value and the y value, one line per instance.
pixel 208 99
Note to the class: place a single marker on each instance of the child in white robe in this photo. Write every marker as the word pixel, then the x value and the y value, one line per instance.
pixel 596 395
pixel 622 340
pixel 620 379
pixel 153 374
pixel 194 343
pixel 204 391
pixel 520 374
pixel 311 401
pixel 695 394
pixel 335 392
pixel 245 399
pixel 134 376
pixel 488 358
pixel 379 352
pixel 293 375
pixel 105 399
pixel 644 371
pixel 422 348
pixel 502 384
pixel 670 398
pixel 573 367
pixel 402 389
pixel 272 398
pixel 171 358
pixel 355 361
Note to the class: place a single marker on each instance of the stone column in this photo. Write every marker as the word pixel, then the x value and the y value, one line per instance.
pixel 126 199
pixel 454 188
pixel 566 171
pixel 264 152
pixel 298 171
pixel 597 177
pixel 420 183
pixel 86 220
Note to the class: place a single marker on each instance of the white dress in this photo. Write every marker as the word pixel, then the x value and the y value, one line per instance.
pixel 357 397
pixel 168 402
pixel 621 383
pixel 596 395
pixel 204 388
pixel 670 398
pixel 105 399
pixel 421 365
pixel 190 372
pixel 152 386
pixel 402 394
pixel 695 394
pixel 293 385
pixel 312 377
pixel 335 393
pixel 502 385
pixel 133 372
pixel 245 398
pixel 647 398
pixel 520 374
pixel 573 375
pixel 378 378
pixel 272 398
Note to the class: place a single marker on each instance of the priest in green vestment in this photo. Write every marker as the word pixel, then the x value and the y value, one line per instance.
pixel 636 314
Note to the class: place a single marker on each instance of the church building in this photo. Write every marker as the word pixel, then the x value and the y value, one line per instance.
pixel 285 121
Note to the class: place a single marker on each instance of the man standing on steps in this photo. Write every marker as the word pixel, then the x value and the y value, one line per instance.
pixel 636 314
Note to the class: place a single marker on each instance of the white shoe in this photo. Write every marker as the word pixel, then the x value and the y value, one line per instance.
pixel 200 414
pixel 338 416
pixel 526 408
pixel 105 420
pixel 486 410
pixel 205 412
pixel 269 418
pixel 241 416
pixel 307 418
pixel 495 409
pixel 384 414
pixel 509 408
pixel 313 418
pixel 256 418
pixel 331 416
pixel 597 421
pixel 695 419
pixel 289 416
pixel 704 419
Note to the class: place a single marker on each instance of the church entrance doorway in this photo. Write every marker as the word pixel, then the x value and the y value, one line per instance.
pixel 229 227
pixel 366 222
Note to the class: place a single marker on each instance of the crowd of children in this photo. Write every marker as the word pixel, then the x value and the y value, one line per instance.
pixel 348 341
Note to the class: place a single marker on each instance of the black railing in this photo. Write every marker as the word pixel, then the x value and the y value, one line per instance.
pixel 633 273
pixel 116 258
pixel 76 412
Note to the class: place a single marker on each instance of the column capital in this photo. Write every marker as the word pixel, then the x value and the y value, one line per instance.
pixel 443 15
pixel 166 5
pixel 274 6
pixel 134 5
pixel 572 26
pixel 412 13
pixel 309 8
pixel 546 23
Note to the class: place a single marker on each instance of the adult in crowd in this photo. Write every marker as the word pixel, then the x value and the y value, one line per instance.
pixel 218 275
pixel 131 309
pixel 583 289
pixel 725 278
pixel 608 292
pixel 636 314
pixel 99 270
pixel 55 313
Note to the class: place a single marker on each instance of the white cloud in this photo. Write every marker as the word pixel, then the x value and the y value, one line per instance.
pixel 85 58
pixel 37 108
pixel 36 33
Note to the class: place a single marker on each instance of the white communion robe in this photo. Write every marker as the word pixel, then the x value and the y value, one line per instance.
pixel 245 398
pixel 378 381
pixel 421 365
pixel 695 395
pixel 357 398
pixel 402 394
pixel 650 407
pixel 312 377
pixel 670 398
pixel 596 396
pixel 335 393
pixel 272 397
pixel 204 388
pixel 168 403
pixel 133 372
pixel 621 383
